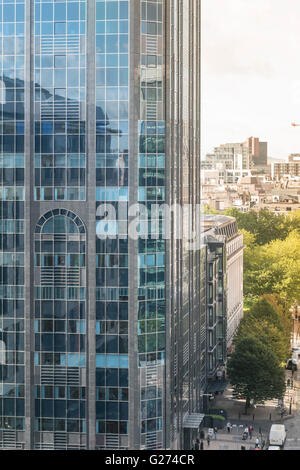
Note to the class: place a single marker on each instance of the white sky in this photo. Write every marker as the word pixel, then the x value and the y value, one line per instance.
pixel 251 73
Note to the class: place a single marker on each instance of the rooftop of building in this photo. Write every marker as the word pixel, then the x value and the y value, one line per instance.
pixel 219 225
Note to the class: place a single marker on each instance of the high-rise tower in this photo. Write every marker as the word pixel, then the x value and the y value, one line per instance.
pixel 100 336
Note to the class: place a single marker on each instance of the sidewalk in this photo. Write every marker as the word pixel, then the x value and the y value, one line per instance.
pixel 232 441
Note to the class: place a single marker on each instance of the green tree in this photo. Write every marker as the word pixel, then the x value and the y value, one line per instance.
pixel 264 225
pixel 254 372
pixel 274 269
pixel 266 321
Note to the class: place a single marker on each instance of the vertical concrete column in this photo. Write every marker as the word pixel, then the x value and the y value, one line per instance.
pixel 91 224
pixel 28 241
pixel 134 113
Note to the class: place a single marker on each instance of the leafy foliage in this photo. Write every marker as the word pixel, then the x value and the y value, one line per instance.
pixel 254 371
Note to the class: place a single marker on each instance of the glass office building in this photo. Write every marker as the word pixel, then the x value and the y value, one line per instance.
pixel 99 335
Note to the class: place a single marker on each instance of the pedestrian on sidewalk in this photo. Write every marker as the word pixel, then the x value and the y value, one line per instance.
pixel 197 445
pixel 251 429
pixel 228 427
pixel 208 440
pixel 216 432
pixel 246 431
pixel 201 445
pixel 257 442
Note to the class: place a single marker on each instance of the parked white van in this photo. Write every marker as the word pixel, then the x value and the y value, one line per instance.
pixel 277 435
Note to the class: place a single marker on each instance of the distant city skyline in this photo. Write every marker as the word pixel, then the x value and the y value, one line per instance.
pixel 251 73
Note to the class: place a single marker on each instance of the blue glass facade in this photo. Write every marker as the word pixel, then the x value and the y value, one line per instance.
pixel 112 128
pixel 85 323
pixel 12 371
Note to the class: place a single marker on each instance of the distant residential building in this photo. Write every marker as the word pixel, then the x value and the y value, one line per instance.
pixel 224 288
pixel 286 169
pixel 238 156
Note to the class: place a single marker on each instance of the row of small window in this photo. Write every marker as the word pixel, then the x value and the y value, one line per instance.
pixel 12 407
pixel 149 276
pixel 60 359
pixel 111 194
pixel 151 11
pixel 13 341
pixel 12 29
pixel 59 326
pixel 49 246
pixel 109 345
pixel 12 390
pixel 11 176
pixel 53 61
pixel 111 26
pixel 151 425
pixel 111 43
pixel 151 326
pixel 63 99
pixel 151 409
pixel 73 144
pixel 111 77
pixel 152 161
pixel 9 423
pixel 59 309
pixel 151 177
pixel 151 127
pixel 9 11
pixel 12 45
pixel 10 143
pixel 111 377
pixel 112 277
pixel 59 293
pixel 61 343
pixel 152 144
pixel 151 310
pixel 12 374
pixel 59 127
pixel 154 358
pixel 111 394
pixel 154 292
pixel 10 62
pixel 70 260
pixel 8 112
pixel 11 324
pixel 111 327
pixel 68 425
pixel 60 161
pixel 11 292
pixel 11 259
pixel 111 427
pixel 111 410
pixel 112 245
pixel 111 261
pixel 11 210
pixel 113 143
pixel 60 177
pixel 11 127
pixel 151 61
pixel 70 11
pixel 152 94
pixel 151 193
pixel 12 308
pixel 151 342
pixel 111 293
pixel 68 409
pixel 59 194
pixel 111 177
pixel 59 83
pixel 59 28
pixel 60 392
pixel 111 10
pixel 152 28
pixel 111 311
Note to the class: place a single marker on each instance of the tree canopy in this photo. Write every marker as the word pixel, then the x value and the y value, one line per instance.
pixel 254 371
